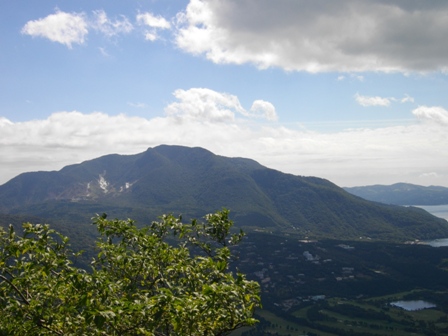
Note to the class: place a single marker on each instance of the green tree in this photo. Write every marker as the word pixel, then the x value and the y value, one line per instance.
pixel 167 278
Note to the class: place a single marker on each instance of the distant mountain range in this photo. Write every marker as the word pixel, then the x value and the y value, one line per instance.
pixel 193 182
pixel 402 194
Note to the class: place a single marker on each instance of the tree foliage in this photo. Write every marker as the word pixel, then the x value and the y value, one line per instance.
pixel 167 278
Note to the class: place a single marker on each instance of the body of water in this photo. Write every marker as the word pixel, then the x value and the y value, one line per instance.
pixel 413 305
pixel 436 210
pixel 437 242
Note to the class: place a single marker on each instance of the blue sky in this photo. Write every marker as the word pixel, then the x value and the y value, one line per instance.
pixel 351 91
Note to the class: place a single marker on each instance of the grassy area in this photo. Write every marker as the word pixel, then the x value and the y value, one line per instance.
pixel 282 326
pixel 339 316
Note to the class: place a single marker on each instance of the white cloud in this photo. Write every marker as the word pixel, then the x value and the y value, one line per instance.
pixel 431 175
pixel 216 121
pixel 430 178
pixel 367 101
pixel 434 114
pixel 137 105
pixel 151 36
pixel 352 76
pixel 206 105
pixel 61 27
pixel 72 28
pixel 103 52
pixel 263 109
pixel 318 35
pixel 110 27
pixel 407 99
pixel 372 101
pixel 5 122
pixel 154 22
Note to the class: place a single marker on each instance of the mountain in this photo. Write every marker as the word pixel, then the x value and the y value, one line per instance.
pixel 402 194
pixel 194 181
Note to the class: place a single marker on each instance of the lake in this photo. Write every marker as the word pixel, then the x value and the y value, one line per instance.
pixel 437 242
pixel 413 305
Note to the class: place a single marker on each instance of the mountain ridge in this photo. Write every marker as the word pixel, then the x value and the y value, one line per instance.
pixel 194 181
pixel 402 194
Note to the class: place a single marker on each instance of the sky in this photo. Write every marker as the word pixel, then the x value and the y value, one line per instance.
pixel 353 91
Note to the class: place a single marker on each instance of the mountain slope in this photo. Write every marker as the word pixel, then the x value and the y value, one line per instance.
pixel 194 181
pixel 402 194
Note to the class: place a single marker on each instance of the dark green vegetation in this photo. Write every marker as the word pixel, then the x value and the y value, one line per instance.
pixel 167 278
pixel 402 194
pixel 338 288
pixel 193 181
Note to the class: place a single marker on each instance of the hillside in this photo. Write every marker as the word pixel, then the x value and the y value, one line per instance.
pixel 402 194
pixel 194 181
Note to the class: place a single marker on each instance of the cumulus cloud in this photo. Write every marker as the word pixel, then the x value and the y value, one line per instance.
pixel 372 101
pixel 154 23
pixel 4 121
pixel 318 36
pixel 367 101
pixel 314 36
pixel 73 28
pixel 61 27
pixel 434 114
pixel 206 105
pixel 211 120
pixel 263 109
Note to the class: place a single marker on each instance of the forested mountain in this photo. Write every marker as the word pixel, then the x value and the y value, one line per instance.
pixel 402 194
pixel 194 181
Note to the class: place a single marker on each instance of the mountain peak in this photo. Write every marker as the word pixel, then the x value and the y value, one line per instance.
pixel 194 181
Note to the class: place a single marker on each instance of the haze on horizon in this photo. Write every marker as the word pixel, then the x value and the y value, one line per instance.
pixel 354 91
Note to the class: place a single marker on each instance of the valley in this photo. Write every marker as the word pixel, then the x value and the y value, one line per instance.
pixel 335 287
